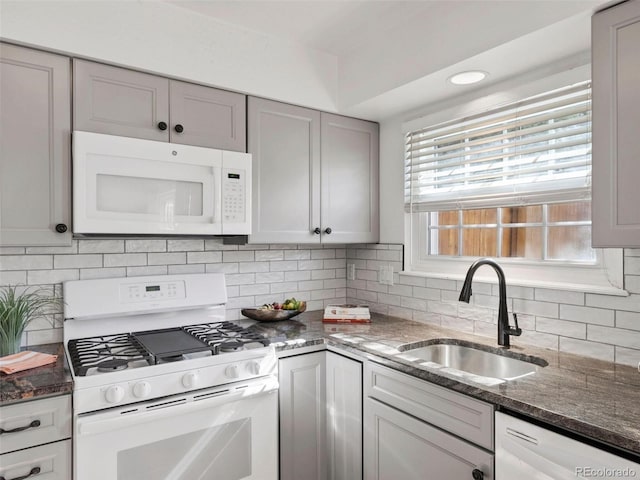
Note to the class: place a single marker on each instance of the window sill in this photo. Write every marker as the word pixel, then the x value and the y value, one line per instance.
pixel 490 277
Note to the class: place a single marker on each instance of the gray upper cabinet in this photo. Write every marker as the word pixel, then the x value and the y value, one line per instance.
pixel 118 101
pixel 35 123
pixel 209 117
pixel 285 143
pixel 616 116
pixel 349 172
pixel 315 175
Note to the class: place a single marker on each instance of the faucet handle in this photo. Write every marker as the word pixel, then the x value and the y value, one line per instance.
pixel 515 331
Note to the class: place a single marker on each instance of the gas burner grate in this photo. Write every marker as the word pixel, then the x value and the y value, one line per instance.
pixel 227 336
pixel 105 353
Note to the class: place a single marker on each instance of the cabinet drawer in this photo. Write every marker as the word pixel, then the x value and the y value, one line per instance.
pixel 50 462
pixel 463 416
pixel 50 417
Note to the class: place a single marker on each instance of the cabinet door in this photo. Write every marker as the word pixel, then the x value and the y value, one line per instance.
pixel 117 101
pixel 35 123
pixel 349 175
pixel 303 417
pixel 285 143
pixel 51 461
pixel 344 417
pixel 209 117
pixel 616 116
pixel 400 446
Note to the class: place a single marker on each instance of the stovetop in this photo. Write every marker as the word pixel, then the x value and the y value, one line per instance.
pixel 111 353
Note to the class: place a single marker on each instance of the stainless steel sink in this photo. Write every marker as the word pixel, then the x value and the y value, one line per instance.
pixel 478 362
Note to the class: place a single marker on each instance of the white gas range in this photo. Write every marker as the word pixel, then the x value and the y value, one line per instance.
pixel 164 387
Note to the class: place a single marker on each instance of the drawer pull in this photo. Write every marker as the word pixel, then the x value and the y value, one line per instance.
pixel 34 471
pixel 34 424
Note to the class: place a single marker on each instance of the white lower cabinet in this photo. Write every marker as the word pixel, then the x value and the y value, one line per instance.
pixel 406 430
pixel 35 439
pixel 320 417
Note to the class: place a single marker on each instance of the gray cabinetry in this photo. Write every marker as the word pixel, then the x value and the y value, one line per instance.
pixel 43 448
pixel 349 173
pixel 616 116
pixel 35 122
pixel 303 437
pixel 284 141
pixel 315 175
pixel 118 101
pixel 417 430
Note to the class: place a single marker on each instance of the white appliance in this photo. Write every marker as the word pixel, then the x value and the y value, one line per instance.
pixel 163 387
pixel 528 452
pixel 130 186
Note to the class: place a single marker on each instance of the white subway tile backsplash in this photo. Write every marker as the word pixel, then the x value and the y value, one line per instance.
pixel 145 246
pixel 323 254
pixel 254 267
pixel 413 303
pixel 538 339
pixel 191 245
pixel 457 323
pixel 284 287
pixel 270 277
pixel 322 274
pixel 630 303
pixel 614 336
pixel 308 265
pixel 77 261
pixel 599 316
pixel 628 320
pixel 13 278
pixel 91 273
pixel 13 250
pixel 285 266
pixel 631 265
pixel 42 277
pixel 298 275
pixel 240 278
pixel 172 258
pixel 125 259
pixel 255 289
pixel 627 356
pixel 239 256
pixel 561 327
pixel 326 294
pixel 222 268
pixel 188 268
pixel 559 296
pixel 311 285
pixel 335 283
pixel 403 290
pixel 412 280
pixel 588 349
pixel 426 293
pixel 216 244
pixel 71 249
pixel 266 255
pixel 375 286
pixel 26 262
pixel 442 284
pixel 543 309
pixel 367 275
pixel 427 317
pixel 387 299
pixel 297 254
pixel 100 246
pixel 204 257
pixel 144 271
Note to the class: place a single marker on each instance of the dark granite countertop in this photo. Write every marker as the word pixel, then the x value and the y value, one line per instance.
pixel 48 380
pixel 589 397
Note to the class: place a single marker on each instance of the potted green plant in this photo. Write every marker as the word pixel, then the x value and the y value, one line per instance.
pixel 17 310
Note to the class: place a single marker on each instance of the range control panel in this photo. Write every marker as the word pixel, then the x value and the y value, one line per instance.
pixel 144 292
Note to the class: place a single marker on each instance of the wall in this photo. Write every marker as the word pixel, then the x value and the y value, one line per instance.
pixel 163 38
pixel 255 274
pixel 600 326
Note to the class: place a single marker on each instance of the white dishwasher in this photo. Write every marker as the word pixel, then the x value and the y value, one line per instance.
pixel 528 452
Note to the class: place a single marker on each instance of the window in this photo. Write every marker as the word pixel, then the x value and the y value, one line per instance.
pixel 513 183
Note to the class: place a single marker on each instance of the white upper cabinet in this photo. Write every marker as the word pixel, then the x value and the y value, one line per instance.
pixel 35 123
pixel 616 118
pixel 118 101
pixel 315 175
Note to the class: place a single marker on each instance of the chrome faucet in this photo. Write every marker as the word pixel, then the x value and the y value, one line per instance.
pixel 504 330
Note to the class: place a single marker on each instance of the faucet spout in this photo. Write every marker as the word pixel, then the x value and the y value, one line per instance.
pixel 504 329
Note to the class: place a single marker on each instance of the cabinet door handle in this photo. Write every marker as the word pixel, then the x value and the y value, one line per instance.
pixel 179 128
pixel 317 231
pixel 61 228
pixel 34 424
pixel 327 230
pixel 477 474
pixel 34 471
pixel 162 125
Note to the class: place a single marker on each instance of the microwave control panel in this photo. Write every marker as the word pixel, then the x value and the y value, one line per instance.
pixel 233 196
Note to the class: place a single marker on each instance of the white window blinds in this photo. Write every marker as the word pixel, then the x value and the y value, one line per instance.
pixel 534 151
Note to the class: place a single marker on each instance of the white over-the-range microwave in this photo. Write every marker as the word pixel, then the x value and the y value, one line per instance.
pixel 131 186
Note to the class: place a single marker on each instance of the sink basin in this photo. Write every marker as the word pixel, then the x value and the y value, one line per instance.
pixel 477 361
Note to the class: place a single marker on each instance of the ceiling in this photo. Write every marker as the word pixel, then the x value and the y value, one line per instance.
pixel 394 56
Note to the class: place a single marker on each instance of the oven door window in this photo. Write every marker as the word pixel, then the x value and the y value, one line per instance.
pixel 209 436
pixel 218 453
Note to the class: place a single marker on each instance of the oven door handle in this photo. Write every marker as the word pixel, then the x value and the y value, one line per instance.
pixel 124 417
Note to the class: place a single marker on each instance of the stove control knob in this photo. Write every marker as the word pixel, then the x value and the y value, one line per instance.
pixel 190 380
pixel 114 394
pixel 253 367
pixel 232 371
pixel 142 389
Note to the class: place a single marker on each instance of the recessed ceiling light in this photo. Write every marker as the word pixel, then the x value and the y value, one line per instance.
pixel 467 78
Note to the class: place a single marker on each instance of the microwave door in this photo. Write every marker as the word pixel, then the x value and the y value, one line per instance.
pixel 146 187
